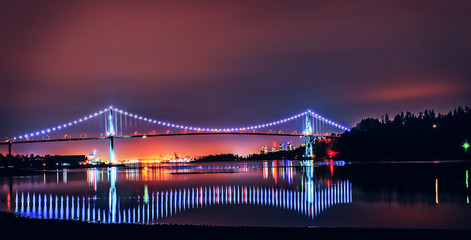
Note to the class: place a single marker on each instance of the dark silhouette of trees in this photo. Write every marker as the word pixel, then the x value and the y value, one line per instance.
pixel 219 157
pixel 40 162
pixel 409 137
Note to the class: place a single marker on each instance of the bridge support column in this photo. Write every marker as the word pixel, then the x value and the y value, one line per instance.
pixel 309 137
pixel 9 149
pixel 112 159
pixel 111 133
pixel 309 148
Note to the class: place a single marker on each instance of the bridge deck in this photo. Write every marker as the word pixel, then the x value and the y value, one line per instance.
pixel 10 141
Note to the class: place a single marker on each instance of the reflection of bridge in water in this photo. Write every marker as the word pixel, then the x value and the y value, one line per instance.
pixel 150 207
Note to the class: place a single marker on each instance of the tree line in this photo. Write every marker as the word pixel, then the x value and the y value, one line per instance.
pixel 426 136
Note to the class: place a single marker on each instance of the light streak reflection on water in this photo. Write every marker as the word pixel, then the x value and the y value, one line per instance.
pixel 150 207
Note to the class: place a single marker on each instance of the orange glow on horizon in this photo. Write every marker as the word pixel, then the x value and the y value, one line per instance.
pixel 413 88
pixel 154 148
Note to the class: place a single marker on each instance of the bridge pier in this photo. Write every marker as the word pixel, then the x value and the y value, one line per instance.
pixel 309 148
pixel 111 133
pixel 112 160
pixel 9 149
pixel 308 153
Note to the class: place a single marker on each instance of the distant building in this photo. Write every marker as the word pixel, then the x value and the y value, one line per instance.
pixel 92 156
pixel 93 159
pixel 264 150
pixel 290 146
pixel 287 146
pixel 281 147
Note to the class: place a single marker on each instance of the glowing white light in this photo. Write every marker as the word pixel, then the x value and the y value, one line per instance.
pixel 325 120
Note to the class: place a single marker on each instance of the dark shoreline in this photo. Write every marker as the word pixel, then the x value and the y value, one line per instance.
pixel 60 229
pixel 6 172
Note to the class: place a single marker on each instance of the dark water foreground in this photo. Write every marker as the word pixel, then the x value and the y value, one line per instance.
pixel 24 228
pixel 261 198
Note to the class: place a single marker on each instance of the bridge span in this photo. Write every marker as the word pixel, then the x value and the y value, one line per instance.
pixel 313 126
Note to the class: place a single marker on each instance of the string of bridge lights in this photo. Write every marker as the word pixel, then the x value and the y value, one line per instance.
pixel 253 127
pixel 184 127
pixel 60 126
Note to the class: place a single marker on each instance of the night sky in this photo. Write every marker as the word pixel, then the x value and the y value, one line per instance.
pixel 229 63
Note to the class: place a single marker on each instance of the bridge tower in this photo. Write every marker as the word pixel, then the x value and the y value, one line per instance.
pixel 111 133
pixel 308 131
pixel 9 149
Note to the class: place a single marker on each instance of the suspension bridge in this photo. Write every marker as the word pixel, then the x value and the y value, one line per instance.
pixel 113 123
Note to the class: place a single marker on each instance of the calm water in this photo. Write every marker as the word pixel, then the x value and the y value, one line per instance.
pixel 258 193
